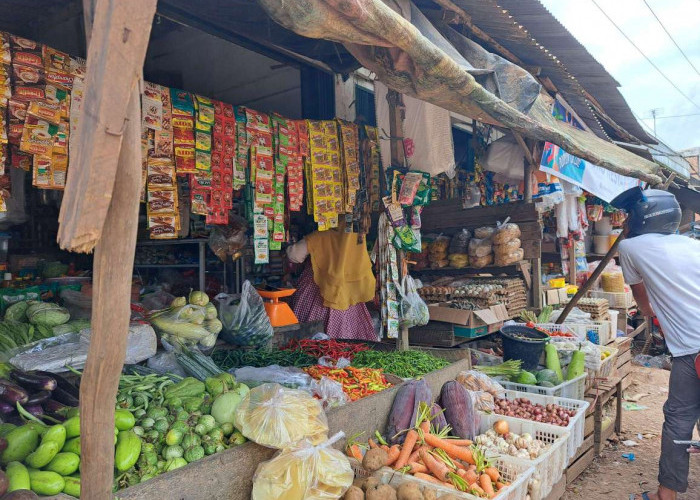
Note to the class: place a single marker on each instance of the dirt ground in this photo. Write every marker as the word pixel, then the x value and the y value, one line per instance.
pixel 612 475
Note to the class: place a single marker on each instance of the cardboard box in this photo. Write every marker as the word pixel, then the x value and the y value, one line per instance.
pixel 554 296
pixel 488 320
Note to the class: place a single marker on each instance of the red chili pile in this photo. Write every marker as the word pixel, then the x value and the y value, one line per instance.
pixel 333 349
pixel 357 382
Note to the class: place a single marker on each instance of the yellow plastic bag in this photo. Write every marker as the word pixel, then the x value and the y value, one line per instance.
pixel 304 472
pixel 274 416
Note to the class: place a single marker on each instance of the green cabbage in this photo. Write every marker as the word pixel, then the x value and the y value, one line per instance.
pixel 49 317
pixel 17 311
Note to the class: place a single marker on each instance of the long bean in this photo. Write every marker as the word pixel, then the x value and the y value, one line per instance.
pixel 236 358
pixel 404 364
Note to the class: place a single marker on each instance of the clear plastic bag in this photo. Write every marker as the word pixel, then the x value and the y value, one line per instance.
pixel 509 258
pixel 479 262
pixel 228 241
pixel 245 321
pixel 480 247
pixel 304 472
pixel 460 242
pixel 482 400
pixel 484 232
pixel 414 311
pixel 277 417
pixel 290 377
pixel 79 305
pixel 166 362
pixel 329 392
pixel 506 232
pixel 473 380
pixel 157 300
pixel 184 325
pixel 507 247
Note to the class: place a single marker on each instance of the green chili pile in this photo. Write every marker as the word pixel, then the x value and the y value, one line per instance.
pixel 404 364
pixel 258 358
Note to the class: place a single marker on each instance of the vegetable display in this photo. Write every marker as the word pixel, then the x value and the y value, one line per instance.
pixel 188 323
pixel 509 443
pixel 333 349
pixel 525 409
pixel 227 359
pixel 357 382
pixel 404 364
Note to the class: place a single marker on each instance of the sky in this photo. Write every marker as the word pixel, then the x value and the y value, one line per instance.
pixel 641 85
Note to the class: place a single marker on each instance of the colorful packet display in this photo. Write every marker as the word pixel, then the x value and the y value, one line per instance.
pixel 350 145
pixel 372 161
pixel 325 173
pixel 183 131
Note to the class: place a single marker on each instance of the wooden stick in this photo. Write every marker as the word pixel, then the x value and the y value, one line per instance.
pixel 588 284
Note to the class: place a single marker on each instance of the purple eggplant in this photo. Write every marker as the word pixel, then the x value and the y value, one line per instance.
pixel 12 393
pixel 6 408
pixel 35 410
pixel 62 382
pixel 38 397
pixel 34 381
pixel 53 406
pixel 64 397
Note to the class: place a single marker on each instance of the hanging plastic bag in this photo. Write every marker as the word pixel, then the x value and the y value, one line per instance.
pixel 329 392
pixel 414 311
pixel 274 416
pixel 244 320
pixel 304 472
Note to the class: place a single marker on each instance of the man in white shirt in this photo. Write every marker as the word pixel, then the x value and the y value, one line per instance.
pixel 663 270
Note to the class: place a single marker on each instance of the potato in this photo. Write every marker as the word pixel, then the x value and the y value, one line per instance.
pixel 429 494
pixel 370 483
pixel 375 459
pixel 354 493
pixel 381 492
pixel 409 491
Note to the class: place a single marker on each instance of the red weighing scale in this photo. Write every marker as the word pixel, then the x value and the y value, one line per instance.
pixel 280 313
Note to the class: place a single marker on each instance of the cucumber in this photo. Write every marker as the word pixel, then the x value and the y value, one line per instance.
pixel 72 446
pixel 17 477
pixel 42 455
pixel 128 450
pixel 46 482
pixel 72 486
pixel 72 426
pixel 64 463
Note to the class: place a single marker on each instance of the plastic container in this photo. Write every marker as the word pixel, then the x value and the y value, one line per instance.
pixel 602 328
pixel 550 465
pixel 614 314
pixel 603 226
pixel 571 389
pixel 516 347
pixel 518 474
pixel 576 425
pixel 557 282
pixel 601 243
pixel 623 300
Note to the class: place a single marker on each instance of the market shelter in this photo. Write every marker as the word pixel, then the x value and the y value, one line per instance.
pixel 408 62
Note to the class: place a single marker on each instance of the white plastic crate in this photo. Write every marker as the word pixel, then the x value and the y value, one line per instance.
pixel 554 327
pixel 576 423
pixel 550 465
pixel 602 328
pixel 517 474
pixel 594 364
pixel 623 300
pixel 572 389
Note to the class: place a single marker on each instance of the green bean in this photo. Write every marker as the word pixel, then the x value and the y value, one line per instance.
pixel 404 364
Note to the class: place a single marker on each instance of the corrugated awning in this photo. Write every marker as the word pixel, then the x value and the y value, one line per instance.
pixel 408 62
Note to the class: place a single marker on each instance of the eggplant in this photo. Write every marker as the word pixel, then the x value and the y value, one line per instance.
pixel 38 397
pixel 64 397
pixel 35 410
pixel 53 406
pixel 37 382
pixel 62 382
pixel 6 408
pixel 3 444
pixel 12 393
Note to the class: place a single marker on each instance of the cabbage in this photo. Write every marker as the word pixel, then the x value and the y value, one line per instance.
pixel 49 317
pixel 17 311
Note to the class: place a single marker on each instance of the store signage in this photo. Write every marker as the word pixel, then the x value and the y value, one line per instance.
pixel 599 181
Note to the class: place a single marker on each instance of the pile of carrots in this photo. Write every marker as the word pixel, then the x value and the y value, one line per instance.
pixel 431 456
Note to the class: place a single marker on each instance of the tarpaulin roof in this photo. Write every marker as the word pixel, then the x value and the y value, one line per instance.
pixel 409 62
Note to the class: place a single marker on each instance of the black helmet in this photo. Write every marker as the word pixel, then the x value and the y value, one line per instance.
pixel 649 211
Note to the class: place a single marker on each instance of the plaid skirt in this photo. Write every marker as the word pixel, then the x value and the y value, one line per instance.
pixel 354 323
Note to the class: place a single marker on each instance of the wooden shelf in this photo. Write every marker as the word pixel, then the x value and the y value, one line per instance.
pixel 470 270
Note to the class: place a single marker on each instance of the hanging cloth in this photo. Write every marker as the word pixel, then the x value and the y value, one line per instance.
pixel 342 269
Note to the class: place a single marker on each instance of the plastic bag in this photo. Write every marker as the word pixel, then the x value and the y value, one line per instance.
pixel 274 416
pixel 414 311
pixel 460 242
pixel 484 232
pixel 166 362
pixel 613 281
pixel 157 300
pixel 290 377
pixel 79 305
pixel 473 380
pixel 480 247
pixel 228 241
pixel 482 400
pixel 509 258
pixel 245 322
pixel 507 247
pixel 506 232
pixel 304 472
pixel 479 262
pixel 329 392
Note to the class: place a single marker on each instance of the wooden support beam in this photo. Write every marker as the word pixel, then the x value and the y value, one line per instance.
pixel 100 211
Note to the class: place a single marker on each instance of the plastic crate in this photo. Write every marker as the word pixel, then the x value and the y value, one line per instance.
pixel 550 465
pixel 553 327
pixel 623 300
pixel 518 474
pixel 572 389
pixel 576 425
pixel 602 328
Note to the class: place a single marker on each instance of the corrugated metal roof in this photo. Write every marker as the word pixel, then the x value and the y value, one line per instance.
pixel 572 59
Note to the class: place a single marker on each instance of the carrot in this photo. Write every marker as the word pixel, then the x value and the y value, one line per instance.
pixel 408 444
pixel 438 468
pixel 493 473
pixel 394 453
pixel 500 486
pixel 414 456
pixel 385 448
pixel 355 452
pixel 460 442
pixel 458 452
pixel 476 488
pixel 432 479
pixel 425 426
pixel 416 467
pixel 371 443
pixel 485 483
pixel 472 467
pixel 471 476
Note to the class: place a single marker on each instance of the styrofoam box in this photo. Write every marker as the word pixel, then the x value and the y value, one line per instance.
pixel 576 425
pixel 550 465
pixel 572 389
pixel 517 474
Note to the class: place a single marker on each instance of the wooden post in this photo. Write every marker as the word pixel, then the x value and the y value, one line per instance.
pixel 529 166
pixel 100 212
pixel 398 159
pixel 588 284
pixel 572 264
